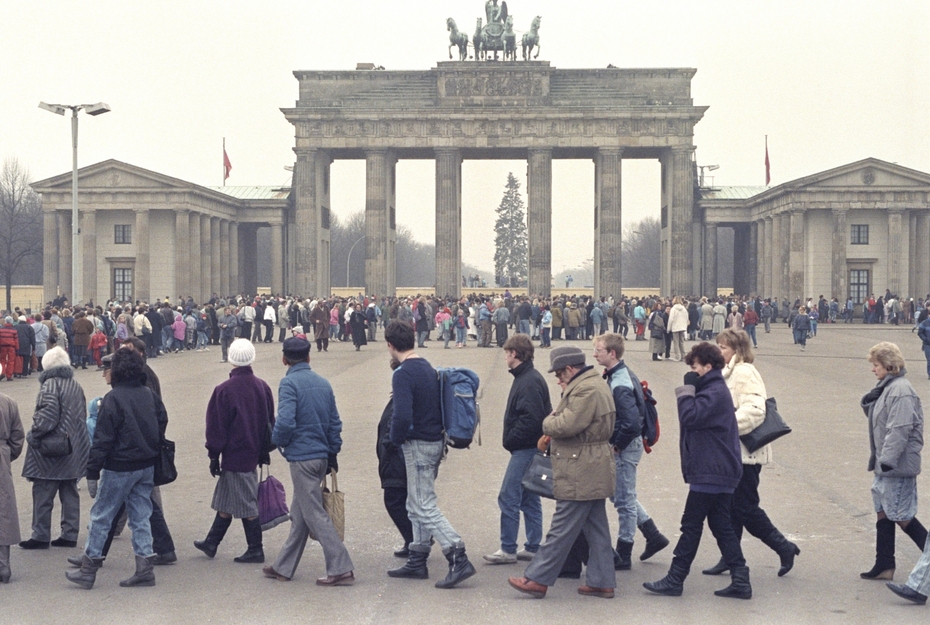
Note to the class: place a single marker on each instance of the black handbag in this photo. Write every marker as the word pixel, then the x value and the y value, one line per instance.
pixel 538 476
pixel 55 445
pixel 165 471
pixel 773 428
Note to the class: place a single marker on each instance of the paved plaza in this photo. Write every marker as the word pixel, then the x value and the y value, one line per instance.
pixel 816 491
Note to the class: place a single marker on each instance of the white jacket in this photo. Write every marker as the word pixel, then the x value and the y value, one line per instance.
pixel 748 392
pixel 269 313
pixel 678 319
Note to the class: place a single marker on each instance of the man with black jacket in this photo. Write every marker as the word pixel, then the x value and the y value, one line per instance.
pixel 627 442
pixel 130 427
pixel 527 406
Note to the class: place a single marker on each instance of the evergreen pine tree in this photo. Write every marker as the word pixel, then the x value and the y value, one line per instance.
pixel 510 255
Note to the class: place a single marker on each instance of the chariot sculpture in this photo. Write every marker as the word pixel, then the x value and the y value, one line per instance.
pixel 495 36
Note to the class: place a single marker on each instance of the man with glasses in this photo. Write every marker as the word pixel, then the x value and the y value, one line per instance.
pixel 627 444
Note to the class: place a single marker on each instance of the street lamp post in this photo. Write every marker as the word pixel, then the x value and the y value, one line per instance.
pixel 91 109
pixel 349 259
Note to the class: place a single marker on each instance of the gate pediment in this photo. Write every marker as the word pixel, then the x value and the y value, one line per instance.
pixel 498 84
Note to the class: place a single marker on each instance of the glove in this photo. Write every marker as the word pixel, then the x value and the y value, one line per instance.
pixel 885 469
pixel 332 466
pixel 215 470
pixel 692 378
pixel 92 488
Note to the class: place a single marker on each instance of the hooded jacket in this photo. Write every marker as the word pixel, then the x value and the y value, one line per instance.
pixel 896 428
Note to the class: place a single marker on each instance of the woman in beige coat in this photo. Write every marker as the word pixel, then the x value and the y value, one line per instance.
pixel 12 436
pixel 748 393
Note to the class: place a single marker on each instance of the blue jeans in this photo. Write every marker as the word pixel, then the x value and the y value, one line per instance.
pixel 201 340
pixel 421 336
pixel 545 340
pixel 919 579
pixel 630 512
pixel 927 356
pixel 134 488
pixel 813 328
pixel 422 461
pixel 524 327
pixel 751 331
pixel 460 335
pixel 800 337
pixel 512 499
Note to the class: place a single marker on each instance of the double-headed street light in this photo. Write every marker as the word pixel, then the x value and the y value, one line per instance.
pixel 91 109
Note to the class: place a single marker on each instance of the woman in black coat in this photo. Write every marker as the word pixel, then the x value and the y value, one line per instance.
pixel 359 324
pixel 392 470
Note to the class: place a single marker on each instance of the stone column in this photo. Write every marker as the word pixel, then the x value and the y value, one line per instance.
pixel 182 246
pixel 142 274
pixel 89 244
pixel 196 262
pixel 380 176
pixel 770 275
pixel 539 223
pixel 216 244
pixel 448 222
pixel 248 259
pixel 761 262
pixel 50 252
pixel 838 271
pixel 754 255
pixel 742 261
pixel 895 266
pixel 796 256
pixel 65 242
pixel 235 272
pixel 922 255
pixel 277 258
pixel 206 258
pixel 680 217
pixel 608 230
pixel 710 260
pixel 311 182
pixel 224 259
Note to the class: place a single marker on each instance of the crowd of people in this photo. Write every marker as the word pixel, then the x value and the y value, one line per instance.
pixel 593 435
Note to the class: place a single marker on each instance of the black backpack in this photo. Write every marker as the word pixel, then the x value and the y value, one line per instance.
pixel 647 407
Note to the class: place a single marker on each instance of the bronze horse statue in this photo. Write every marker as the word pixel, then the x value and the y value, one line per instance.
pixel 457 38
pixel 510 40
pixel 531 40
pixel 479 41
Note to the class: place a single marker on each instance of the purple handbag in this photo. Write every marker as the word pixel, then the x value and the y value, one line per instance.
pixel 272 503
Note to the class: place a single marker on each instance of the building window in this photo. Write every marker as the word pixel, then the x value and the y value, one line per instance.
pixel 122 284
pixel 122 233
pixel 859 285
pixel 859 234
pixel 324 217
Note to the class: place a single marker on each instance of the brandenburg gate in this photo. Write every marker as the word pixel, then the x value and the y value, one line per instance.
pixel 493 110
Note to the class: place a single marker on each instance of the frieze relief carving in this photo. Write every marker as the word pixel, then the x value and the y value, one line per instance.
pixel 493 85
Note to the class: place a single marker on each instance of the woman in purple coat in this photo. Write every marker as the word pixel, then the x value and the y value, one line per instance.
pixel 238 418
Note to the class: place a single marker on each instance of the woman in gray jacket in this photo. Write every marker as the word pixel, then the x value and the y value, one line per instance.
pixel 61 410
pixel 896 436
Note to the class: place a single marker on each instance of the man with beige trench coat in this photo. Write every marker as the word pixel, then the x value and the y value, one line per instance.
pixel 12 436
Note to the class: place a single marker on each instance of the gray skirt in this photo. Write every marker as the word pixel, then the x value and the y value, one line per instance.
pixel 236 494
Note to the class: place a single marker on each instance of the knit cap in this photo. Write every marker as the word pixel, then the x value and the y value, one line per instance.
pixel 241 353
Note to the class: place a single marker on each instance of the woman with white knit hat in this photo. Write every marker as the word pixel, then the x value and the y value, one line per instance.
pixel 239 417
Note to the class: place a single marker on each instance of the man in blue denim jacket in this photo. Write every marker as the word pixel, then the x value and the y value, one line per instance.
pixel 308 432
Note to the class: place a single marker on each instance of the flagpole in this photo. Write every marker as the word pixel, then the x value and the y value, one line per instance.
pixel 224 159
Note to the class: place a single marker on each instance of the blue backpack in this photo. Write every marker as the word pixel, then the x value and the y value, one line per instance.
pixel 461 415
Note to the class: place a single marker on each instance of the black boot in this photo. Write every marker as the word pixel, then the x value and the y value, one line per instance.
pixel 460 568
pixel 215 536
pixel 5 572
pixel 144 575
pixel 78 560
pixel 917 532
pixel 672 584
pixel 623 557
pixel 718 569
pixel 739 587
pixel 785 549
pixel 655 540
pixel 404 552
pixel 253 536
pixel 884 552
pixel 87 574
pixel 414 567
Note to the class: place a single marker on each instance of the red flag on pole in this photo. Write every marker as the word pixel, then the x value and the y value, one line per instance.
pixel 227 166
pixel 768 175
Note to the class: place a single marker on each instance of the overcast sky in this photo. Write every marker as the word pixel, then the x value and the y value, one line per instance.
pixel 829 82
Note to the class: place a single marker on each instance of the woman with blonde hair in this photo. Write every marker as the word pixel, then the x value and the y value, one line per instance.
pixel 896 426
pixel 748 392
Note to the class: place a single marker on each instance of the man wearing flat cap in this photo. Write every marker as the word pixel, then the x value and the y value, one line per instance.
pixel 583 477
pixel 308 433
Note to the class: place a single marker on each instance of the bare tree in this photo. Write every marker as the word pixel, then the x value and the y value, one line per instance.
pixel 20 224
pixel 641 254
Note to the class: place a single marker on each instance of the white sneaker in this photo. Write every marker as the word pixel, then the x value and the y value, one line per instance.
pixel 501 557
pixel 525 556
